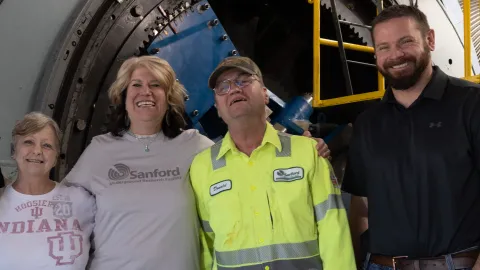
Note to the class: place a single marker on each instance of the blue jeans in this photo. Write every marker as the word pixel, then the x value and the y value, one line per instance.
pixel 372 266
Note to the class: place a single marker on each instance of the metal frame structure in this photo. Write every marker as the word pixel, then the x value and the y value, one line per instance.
pixel 467 39
pixel 317 102
pixel 468 42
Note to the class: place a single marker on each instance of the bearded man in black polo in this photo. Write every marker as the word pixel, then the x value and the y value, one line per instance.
pixel 414 161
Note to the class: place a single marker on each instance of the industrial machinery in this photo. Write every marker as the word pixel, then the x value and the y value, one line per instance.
pixel 60 57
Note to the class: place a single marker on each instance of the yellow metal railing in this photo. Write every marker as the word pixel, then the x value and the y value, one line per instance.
pixel 467 39
pixel 475 79
pixel 317 102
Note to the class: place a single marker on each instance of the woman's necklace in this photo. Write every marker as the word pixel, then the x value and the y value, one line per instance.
pixel 146 140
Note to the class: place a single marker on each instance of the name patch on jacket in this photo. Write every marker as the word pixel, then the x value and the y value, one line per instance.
pixel 288 175
pixel 220 187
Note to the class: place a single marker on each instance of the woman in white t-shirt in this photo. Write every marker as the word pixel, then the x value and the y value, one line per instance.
pixel 43 224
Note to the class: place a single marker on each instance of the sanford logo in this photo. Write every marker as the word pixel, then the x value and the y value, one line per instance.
pixel 288 175
pixel 120 172
pixel 123 172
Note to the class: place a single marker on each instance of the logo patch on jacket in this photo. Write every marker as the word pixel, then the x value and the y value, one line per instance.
pixel 220 187
pixel 288 175
pixel 333 177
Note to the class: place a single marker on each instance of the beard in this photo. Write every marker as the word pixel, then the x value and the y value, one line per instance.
pixel 408 79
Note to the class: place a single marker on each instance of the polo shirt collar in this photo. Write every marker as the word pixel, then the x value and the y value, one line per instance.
pixel 271 136
pixel 434 89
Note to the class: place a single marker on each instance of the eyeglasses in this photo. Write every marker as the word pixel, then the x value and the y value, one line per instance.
pixel 223 87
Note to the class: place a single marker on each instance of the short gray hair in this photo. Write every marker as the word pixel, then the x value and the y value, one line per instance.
pixel 32 123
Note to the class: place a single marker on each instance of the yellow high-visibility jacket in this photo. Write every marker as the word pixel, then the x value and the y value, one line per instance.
pixel 280 208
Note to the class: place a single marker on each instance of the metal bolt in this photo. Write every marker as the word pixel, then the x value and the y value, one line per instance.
pixel 155 50
pixel 74 43
pixel 205 7
pixel 195 113
pixel 79 32
pixel 51 106
pixel 214 22
pixel 81 124
pixel 233 52
pixel 67 53
pixel 224 37
pixel 137 11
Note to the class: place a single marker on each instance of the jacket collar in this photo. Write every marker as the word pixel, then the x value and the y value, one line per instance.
pixel 271 137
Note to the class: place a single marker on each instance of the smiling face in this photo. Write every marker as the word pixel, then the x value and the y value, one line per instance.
pixel 36 153
pixel 241 102
pixel 402 51
pixel 146 98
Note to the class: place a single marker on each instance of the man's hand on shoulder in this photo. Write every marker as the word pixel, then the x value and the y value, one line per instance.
pixel 321 146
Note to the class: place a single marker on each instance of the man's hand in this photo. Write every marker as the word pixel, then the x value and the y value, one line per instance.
pixel 321 146
pixel 477 264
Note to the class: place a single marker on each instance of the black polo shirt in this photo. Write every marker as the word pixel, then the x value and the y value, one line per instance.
pixel 420 170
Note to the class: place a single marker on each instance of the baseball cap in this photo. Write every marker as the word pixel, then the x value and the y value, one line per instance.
pixel 243 63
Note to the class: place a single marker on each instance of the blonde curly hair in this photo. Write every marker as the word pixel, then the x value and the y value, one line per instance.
pixel 173 122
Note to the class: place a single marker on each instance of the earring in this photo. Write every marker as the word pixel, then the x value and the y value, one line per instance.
pixel 167 116
pixel 127 121
pixel 12 151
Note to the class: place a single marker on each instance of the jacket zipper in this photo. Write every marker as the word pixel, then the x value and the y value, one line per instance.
pixel 270 210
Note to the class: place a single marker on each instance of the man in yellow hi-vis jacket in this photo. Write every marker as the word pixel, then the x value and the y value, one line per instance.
pixel 266 200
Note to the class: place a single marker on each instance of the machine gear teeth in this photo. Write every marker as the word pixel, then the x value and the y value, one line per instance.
pixel 164 21
pixel 350 34
pixel 348 14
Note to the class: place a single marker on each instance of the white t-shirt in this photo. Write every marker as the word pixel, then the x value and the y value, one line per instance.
pixel 50 231
pixel 146 216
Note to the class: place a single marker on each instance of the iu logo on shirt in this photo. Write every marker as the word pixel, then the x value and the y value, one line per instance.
pixel 65 247
pixel 37 212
